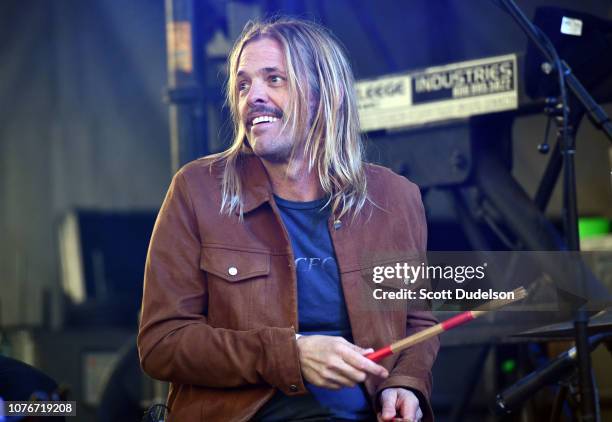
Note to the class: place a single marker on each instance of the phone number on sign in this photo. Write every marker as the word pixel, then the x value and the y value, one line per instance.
pixel 39 408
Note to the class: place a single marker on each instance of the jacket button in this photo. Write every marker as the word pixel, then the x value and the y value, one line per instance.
pixel 293 388
pixel 232 270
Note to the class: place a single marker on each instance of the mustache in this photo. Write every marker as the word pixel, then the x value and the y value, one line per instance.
pixel 262 109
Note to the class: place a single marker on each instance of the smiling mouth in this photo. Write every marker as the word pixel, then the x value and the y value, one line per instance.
pixel 263 119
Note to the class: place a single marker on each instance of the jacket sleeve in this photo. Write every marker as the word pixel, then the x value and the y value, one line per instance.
pixel 412 370
pixel 175 341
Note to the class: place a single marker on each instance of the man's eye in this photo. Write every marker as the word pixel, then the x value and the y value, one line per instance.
pixel 276 79
pixel 242 86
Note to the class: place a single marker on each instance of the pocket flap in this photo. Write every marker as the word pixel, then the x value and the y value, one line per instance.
pixel 234 264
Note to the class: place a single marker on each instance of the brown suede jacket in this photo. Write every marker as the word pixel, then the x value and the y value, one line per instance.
pixel 219 312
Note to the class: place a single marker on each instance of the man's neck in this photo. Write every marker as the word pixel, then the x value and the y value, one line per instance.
pixel 294 182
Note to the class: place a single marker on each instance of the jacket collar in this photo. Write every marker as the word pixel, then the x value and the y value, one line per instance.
pixel 256 186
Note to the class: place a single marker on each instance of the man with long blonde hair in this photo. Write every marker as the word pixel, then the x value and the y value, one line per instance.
pixel 258 299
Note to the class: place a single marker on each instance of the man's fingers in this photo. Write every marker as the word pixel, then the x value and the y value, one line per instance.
pixel 364 364
pixel 402 401
pixel 348 371
pixel 333 362
pixel 358 349
pixel 352 365
pixel 389 400
pixel 340 372
pixel 329 383
pixel 327 379
pixel 332 385
pixel 343 374
pixel 409 408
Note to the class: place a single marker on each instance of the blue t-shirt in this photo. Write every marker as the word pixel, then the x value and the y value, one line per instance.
pixel 321 310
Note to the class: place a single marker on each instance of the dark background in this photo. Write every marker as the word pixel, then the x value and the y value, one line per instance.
pixel 83 123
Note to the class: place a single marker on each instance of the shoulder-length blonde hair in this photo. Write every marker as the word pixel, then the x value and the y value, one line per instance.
pixel 317 69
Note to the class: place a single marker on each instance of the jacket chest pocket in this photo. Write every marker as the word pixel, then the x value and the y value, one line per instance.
pixel 235 276
pixel 234 265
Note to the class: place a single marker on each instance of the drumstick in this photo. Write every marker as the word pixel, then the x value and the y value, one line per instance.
pixel 462 318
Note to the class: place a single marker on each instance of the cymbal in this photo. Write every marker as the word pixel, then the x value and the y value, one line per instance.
pixel 600 322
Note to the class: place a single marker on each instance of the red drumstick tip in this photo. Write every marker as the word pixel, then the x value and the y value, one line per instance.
pixel 379 354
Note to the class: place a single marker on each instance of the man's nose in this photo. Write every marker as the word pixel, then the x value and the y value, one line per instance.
pixel 257 93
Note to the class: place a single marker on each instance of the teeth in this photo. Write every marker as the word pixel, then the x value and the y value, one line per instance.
pixel 262 119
